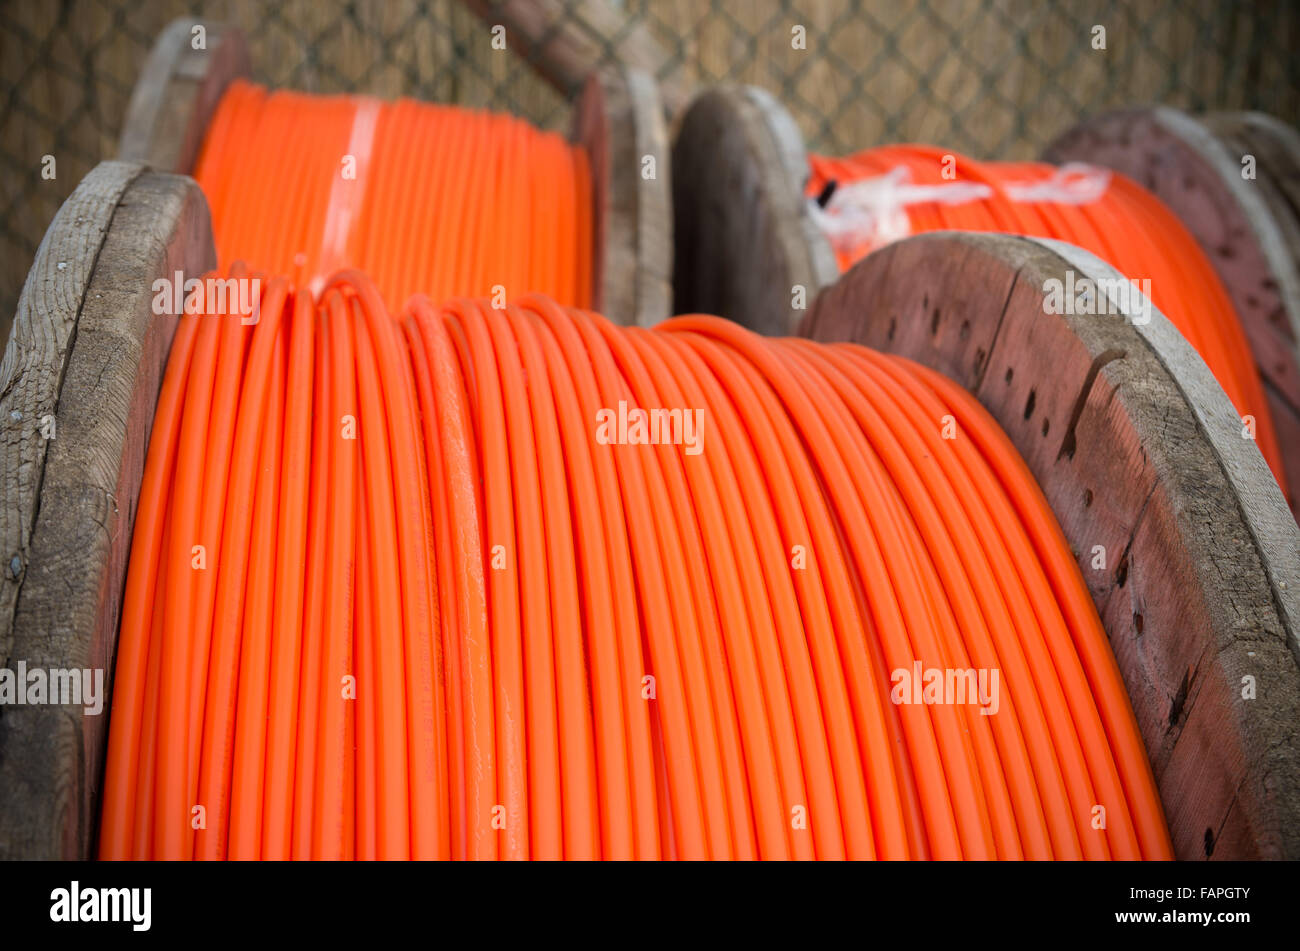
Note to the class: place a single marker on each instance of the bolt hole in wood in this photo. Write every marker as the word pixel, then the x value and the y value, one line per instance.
pixel 1010 374
pixel 1046 425
pixel 934 321
pixel 1029 403
pixel 1180 699
pixel 1087 498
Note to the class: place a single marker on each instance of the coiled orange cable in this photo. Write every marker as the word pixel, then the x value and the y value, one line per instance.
pixel 424 198
pixel 1125 225
pixel 405 584
pixel 495 584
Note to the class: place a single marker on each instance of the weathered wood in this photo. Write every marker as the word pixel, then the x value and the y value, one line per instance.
pixel 177 92
pixel 1274 212
pixel 744 237
pixel 1250 234
pixel 566 41
pixel 34 361
pixel 618 120
pixel 1138 450
pixel 122 229
pixel 1277 146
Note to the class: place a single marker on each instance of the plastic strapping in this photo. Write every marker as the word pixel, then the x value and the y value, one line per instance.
pixel 346 195
pixel 873 211
pixel 1074 183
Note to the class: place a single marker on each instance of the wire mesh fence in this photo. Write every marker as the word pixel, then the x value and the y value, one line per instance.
pixel 993 78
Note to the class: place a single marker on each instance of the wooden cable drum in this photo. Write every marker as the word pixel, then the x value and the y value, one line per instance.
pixel 617 121
pixel 49 808
pixel 1234 180
pixel 1189 551
pixel 81 376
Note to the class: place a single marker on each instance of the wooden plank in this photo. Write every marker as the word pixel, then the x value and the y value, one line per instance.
pixel 1273 205
pixel 178 91
pixel 744 236
pixel 1138 450
pixel 34 362
pixel 1276 150
pixel 68 597
pixel 619 121
pixel 1279 148
pixel 1252 239
pixel 566 41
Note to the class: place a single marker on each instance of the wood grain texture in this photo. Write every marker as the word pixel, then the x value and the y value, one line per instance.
pixel 35 359
pixel 1137 450
pixel 1250 234
pixel 567 41
pixel 619 122
pixel 744 236
pixel 177 92
pixel 68 598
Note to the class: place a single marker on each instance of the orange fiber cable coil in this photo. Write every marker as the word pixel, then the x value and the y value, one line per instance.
pixel 1126 226
pixel 419 582
pixel 418 196
pixel 431 599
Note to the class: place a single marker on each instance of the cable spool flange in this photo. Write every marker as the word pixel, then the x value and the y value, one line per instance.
pixel 1232 180
pixel 1179 530
pixel 746 244
pixel 81 374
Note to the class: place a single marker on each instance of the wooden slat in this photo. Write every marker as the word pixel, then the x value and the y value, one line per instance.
pixel 743 234
pixel 566 41
pixel 619 121
pixel 177 92
pixel 35 358
pixel 101 384
pixel 1251 238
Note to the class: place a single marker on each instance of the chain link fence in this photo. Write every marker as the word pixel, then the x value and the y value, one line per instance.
pixel 992 78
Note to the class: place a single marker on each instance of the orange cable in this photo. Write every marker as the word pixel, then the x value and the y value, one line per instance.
pixel 772 680
pixel 439 614
pixel 436 200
